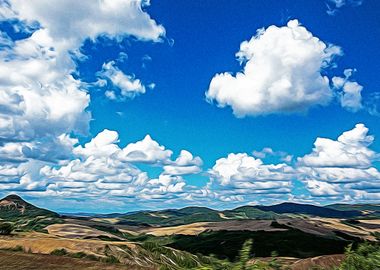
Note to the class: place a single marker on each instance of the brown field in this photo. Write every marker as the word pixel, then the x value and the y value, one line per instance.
pixel 318 226
pixel 107 220
pixel 189 229
pixel 127 253
pixel 370 221
pixel 357 230
pixel 325 262
pixel 45 244
pixel 68 230
pixel 24 261
pixel 199 227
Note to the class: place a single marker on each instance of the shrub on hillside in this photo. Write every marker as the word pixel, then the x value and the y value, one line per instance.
pixel 366 257
pixel 6 228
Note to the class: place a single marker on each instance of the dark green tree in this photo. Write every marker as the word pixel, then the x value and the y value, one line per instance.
pixel 6 228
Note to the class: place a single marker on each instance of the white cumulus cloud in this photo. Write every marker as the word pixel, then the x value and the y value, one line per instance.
pixel 281 73
pixel 128 86
pixel 349 91
pixel 349 150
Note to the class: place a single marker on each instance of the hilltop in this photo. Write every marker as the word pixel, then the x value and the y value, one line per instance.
pixel 13 206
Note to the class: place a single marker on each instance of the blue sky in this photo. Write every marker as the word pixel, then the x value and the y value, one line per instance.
pixel 249 138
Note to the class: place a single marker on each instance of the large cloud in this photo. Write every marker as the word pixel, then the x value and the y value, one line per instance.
pixel 116 18
pixel 39 96
pixel 281 73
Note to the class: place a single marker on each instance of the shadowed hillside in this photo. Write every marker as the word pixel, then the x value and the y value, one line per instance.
pixel 308 209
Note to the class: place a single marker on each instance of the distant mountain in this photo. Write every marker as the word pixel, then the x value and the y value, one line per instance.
pixel 193 214
pixel 13 207
pixel 366 210
pixel 172 217
pixel 189 215
pixel 308 209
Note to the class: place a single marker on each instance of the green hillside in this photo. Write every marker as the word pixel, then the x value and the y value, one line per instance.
pixel 25 216
pixel 366 210
pixel 189 215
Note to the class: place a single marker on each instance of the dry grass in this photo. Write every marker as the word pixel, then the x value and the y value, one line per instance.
pixel 23 261
pixel 45 244
pixel 324 262
pixel 334 223
pixel 189 229
pixel 106 220
pixel 199 227
pixel 68 230
pixel 371 221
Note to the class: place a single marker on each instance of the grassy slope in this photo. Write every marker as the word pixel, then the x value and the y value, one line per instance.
pixel 195 214
pixel 23 261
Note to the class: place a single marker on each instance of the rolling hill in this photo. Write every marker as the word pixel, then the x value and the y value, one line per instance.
pixel 13 207
pixel 366 210
pixel 308 209
pixel 189 215
pixel 193 214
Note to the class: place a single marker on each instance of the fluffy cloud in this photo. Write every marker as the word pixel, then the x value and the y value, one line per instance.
pixel 281 73
pixel 33 93
pixel 116 18
pixel 41 101
pixel 129 86
pixel 349 150
pixel 238 168
pixel 349 91
pixel 186 163
pixel 102 168
pixel 335 170
pixel 342 167
pixel 39 95
pixel 103 144
pixel 146 151
pixel 239 176
pixel 319 188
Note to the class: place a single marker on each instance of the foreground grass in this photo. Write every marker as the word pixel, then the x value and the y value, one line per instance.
pixel 10 260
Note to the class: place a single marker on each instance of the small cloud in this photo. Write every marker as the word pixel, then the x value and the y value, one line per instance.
pixel 128 85
pixel 333 6
pixel 348 91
